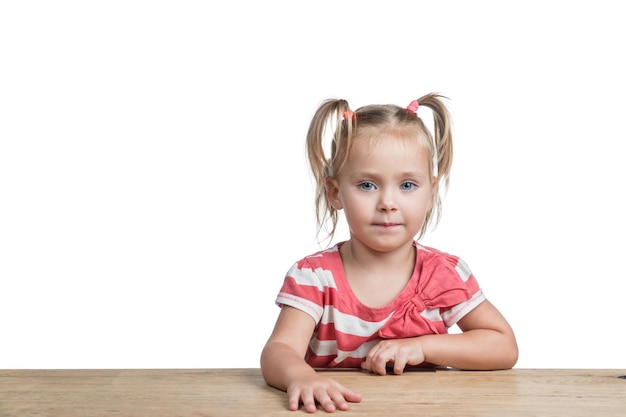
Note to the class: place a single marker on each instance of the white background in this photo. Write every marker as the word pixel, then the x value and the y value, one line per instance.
pixel 154 190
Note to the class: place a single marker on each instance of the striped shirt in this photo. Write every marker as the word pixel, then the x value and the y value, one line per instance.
pixel 440 292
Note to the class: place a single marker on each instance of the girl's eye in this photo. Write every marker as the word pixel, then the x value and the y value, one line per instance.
pixel 407 186
pixel 366 186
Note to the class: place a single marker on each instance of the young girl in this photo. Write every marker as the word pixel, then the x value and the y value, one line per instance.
pixel 379 300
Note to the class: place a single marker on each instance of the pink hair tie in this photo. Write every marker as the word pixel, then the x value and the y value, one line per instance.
pixel 413 106
pixel 348 115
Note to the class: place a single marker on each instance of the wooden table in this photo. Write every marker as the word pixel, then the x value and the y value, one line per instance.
pixel 242 392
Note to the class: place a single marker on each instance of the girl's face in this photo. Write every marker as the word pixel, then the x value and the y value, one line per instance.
pixel 385 190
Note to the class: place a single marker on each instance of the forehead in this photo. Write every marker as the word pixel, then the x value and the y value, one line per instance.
pixel 402 137
pixel 389 152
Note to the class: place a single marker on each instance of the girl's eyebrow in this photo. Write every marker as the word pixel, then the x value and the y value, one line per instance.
pixel 411 174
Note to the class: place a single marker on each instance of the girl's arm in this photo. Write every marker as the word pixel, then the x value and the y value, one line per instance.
pixel 283 365
pixel 487 343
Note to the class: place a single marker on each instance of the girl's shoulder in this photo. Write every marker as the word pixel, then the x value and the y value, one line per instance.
pixel 432 258
pixel 329 257
pixel 433 253
pixel 322 269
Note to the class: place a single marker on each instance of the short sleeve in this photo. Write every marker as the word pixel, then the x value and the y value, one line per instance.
pixel 303 288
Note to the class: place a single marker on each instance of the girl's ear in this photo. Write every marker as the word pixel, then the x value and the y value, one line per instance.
pixel 332 193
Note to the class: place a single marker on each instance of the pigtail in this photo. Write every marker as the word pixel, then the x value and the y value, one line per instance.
pixel 334 114
pixel 442 135
pixel 442 141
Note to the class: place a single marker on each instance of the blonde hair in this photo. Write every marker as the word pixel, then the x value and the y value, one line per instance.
pixel 370 121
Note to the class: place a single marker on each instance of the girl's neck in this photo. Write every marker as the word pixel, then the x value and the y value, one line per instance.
pixel 359 256
pixel 376 278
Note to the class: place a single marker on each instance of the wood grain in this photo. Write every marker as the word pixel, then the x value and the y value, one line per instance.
pixel 242 392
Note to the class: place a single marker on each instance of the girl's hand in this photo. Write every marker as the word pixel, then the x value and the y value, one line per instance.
pixel 317 388
pixel 396 352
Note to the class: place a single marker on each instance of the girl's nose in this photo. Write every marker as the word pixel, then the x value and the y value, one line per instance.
pixel 387 201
